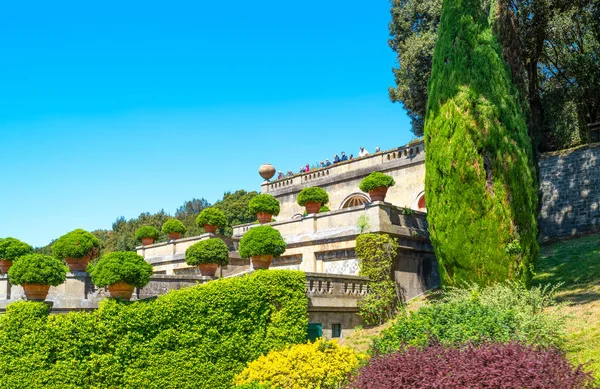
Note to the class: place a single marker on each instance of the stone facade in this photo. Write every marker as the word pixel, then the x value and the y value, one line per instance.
pixel 570 192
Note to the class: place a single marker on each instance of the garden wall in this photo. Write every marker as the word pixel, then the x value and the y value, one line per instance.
pixel 570 192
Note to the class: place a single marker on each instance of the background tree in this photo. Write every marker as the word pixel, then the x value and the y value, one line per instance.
pixel 235 207
pixel 188 212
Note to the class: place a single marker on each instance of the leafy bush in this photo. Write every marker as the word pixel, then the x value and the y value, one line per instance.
pixel 507 366
pixel 264 203
pixel 376 180
pixel 262 240
pixel 197 337
pixel 212 250
pixel 11 249
pixel 173 226
pixel 75 244
pixel 312 194
pixel 211 216
pixel 147 232
pixel 501 313
pixel 377 253
pixel 120 266
pixel 37 269
pixel 318 365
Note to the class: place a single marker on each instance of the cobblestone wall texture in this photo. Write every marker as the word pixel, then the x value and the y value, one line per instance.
pixel 570 192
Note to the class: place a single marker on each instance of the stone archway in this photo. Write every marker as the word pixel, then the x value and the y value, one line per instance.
pixel 355 200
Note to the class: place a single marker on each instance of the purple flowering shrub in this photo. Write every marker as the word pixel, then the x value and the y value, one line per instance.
pixel 488 366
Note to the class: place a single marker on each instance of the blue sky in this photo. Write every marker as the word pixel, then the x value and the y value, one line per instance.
pixel 111 109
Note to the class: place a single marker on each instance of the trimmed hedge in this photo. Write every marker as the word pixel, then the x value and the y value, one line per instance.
pixel 75 244
pixel 376 180
pixel 197 337
pixel 264 203
pixel 11 249
pixel 262 240
pixel 312 194
pixel 212 250
pixel 120 266
pixel 173 226
pixel 147 232
pixel 211 216
pixel 38 269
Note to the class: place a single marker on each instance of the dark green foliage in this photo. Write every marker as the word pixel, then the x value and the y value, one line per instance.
pixel 262 240
pixel 173 226
pixel 11 249
pixel 235 207
pixel 37 269
pixel 207 251
pixel 212 216
pixel 75 244
pixel 194 338
pixel 480 183
pixel 264 203
pixel 376 180
pixel 377 253
pixel 312 194
pixel 147 232
pixel 120 266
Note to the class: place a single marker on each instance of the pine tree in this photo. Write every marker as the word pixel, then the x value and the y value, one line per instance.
pixel 480 183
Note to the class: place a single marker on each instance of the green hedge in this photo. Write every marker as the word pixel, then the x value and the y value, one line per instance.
pixel 212 250
pixel 75 244
pixel 312 194
pixel 264 203
pixel 173 226
pixel 198 337
pixel 38 269
pixel 120 266
pixel 376 180
pixel 11 249
pixel 262 240
pixel 211 216
pixel 147 232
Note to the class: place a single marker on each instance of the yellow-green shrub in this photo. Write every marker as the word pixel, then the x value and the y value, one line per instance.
pixel 318 365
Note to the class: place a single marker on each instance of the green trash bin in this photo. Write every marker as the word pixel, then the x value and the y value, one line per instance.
pixel 315 331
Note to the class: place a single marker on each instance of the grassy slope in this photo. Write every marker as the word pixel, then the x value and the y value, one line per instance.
pixel 576 264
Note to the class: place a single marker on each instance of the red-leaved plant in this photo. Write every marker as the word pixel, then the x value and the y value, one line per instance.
pixel 491 365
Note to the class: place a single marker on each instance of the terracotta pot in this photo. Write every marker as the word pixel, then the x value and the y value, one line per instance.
pixel 147 241
pixel 263 217
pixel 4 266
pixel 261 261
pixel 174 235
pixel 312 207
pixel 208 269
pixel 36 292
pixel 77 264
pixel 120 290
pixel 209 228
pixel 378 194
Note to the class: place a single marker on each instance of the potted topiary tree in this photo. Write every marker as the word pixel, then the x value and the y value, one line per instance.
pixel 36 273
pixel 10 250
pixel 211 219
pixel 264 206
pixel 262 243
pixel 208 255
pixel 76 248
pixel 121 271
pixel 147 234
pixel 312 198
pixel 174 228
pixel 377 185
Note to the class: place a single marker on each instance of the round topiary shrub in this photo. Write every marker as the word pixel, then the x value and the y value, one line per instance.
pixel 312 194
pixel 262 240
pixel 212 217
pixel 120 266
pixel 148 232
pixel 207 251
pixel 264 203
pixel 11 249
pixel 76 244
pixel 173 226
pixel 38 269
pixel 376 180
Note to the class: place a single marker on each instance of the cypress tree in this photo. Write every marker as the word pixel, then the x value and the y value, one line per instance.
pixel 480 183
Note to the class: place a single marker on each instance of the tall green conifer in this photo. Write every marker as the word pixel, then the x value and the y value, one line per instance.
pixel 480 184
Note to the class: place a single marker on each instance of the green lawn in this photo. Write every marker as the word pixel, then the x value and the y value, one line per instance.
pixel 576 264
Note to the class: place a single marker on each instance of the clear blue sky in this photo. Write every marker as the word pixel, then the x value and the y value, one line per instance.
pixel 120 107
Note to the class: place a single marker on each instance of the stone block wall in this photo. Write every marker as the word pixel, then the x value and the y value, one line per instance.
pixel 570 192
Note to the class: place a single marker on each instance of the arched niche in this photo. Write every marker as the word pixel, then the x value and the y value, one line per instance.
pixel 355 200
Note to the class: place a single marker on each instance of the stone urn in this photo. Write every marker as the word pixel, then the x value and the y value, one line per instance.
pixel 266 171
pixel 312 207
pixel 36 292
pixel 5 265
pixel 120 290
pixel 378 194
pixel 208 269
pixel 174 235
pixel 263 217
pixel 261 261
pixel 77 264
pixel 210 229
pixel 147 241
